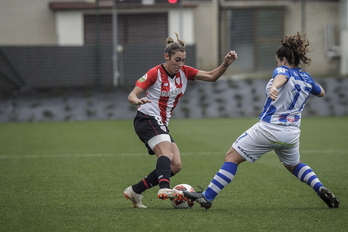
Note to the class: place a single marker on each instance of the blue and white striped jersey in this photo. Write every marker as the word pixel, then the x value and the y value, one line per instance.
pixel 286 109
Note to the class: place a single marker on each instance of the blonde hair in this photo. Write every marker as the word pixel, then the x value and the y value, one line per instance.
pixel 174 46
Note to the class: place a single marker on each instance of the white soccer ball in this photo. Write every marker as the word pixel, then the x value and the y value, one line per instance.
pixel 184 203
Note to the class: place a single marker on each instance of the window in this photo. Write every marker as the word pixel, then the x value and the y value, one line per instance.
pixel 132 28
pixel 255 34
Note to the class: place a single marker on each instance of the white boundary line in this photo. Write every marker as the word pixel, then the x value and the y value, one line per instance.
pixel 144 154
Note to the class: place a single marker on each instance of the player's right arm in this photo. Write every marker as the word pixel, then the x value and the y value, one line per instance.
pixel 141 85
pixel 134 99
pixel 278 81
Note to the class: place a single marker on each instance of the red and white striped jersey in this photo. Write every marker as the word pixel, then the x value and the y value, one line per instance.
pixel 164 91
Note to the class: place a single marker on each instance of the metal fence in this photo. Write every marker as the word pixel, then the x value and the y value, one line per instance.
pixel 86 66
pixel 138 44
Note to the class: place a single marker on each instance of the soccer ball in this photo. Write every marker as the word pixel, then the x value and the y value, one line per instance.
pixel 183 203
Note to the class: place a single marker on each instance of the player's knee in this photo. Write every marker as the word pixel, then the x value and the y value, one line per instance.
pixel 290 167
pixel 233 156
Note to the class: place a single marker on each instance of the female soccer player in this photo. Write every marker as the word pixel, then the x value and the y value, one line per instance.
pixel 164 84
pixel 278 129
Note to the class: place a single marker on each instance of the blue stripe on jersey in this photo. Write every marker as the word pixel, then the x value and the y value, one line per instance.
pixel 268 111
pixel 297 118
pixel 287 108
pixel 303 104
pixel 267 104
pixel 297 88
pixel 307 89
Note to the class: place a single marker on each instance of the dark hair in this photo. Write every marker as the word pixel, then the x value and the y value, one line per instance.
pixel 294 49
pixel 172 46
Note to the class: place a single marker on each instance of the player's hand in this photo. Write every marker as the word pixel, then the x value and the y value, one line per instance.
pixel 143 101
pixel 230 57
pixel 273 93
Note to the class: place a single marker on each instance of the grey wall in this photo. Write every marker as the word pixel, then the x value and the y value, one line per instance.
pixel 225 98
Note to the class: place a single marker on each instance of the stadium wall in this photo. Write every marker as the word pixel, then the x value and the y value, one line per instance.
pixel 225 98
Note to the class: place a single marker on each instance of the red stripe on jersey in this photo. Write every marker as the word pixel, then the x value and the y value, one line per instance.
pixel 164 91
pixel 178 84
pixel 162 104
pixel 163 101
pixel 176 101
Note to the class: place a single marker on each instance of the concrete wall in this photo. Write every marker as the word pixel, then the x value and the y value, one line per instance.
pixel 205 35
pixel 27 23
pixel 318 15
pixel 225 98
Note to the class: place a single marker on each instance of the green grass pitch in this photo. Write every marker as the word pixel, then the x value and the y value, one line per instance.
pixel 69 176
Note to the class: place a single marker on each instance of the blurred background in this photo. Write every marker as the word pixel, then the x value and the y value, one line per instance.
pixel 78 59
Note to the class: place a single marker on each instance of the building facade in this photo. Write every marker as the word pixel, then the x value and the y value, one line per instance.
pixel 210 27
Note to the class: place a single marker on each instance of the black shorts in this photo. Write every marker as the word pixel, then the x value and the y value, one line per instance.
pixel 147 127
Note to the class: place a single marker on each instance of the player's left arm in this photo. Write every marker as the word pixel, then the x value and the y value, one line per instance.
pixel 214 75
pixel 317 90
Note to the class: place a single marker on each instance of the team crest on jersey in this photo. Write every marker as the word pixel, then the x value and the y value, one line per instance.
pixel 178 80
pixel 143 78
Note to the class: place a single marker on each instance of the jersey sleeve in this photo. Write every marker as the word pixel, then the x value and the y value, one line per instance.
pixel 148 79
pixel 281 70
pixel 316 90
pixel 190 72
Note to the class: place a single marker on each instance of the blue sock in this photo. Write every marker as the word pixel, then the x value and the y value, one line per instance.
pixel 305 174
pixel 221 179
